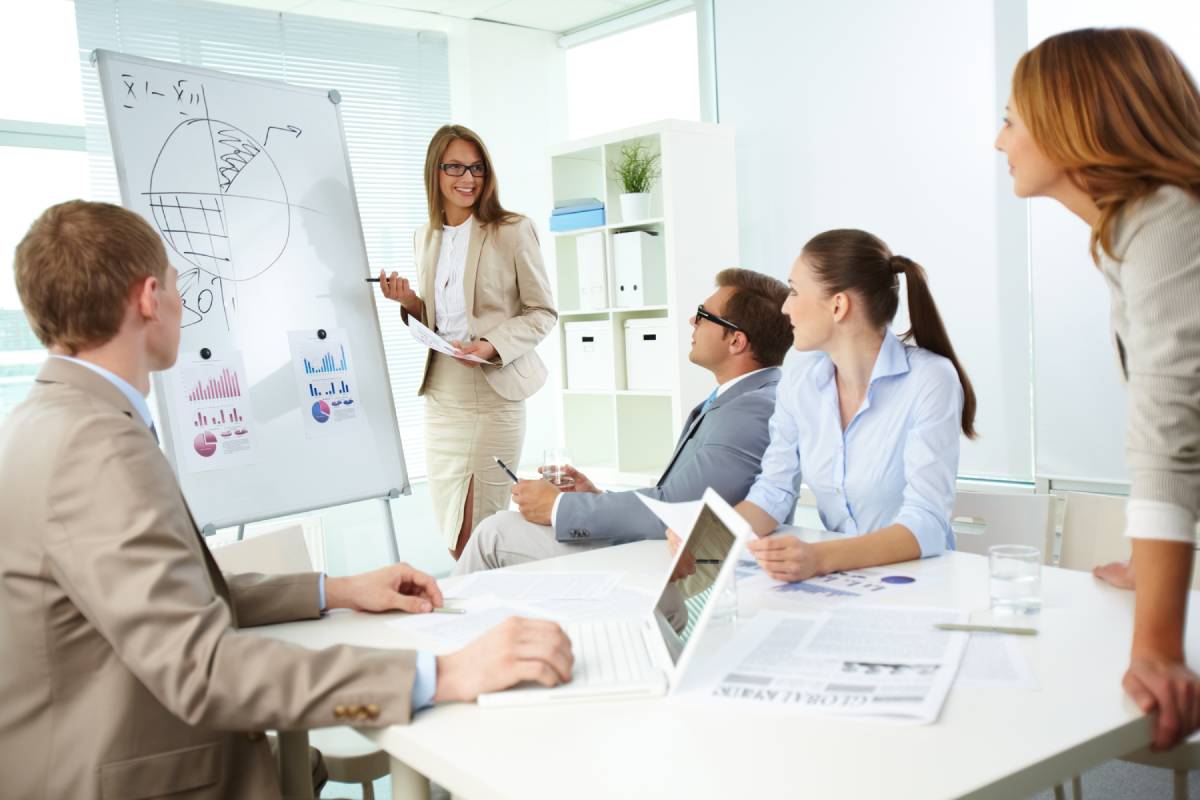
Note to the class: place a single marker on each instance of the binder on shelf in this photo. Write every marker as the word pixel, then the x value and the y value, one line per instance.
pixel 589 261
pixel 647 353
pixel 571 215
pixel 631 257
pixel 589 354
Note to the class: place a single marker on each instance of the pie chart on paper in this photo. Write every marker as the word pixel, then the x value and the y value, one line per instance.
pixel 205 444
pixel 320 411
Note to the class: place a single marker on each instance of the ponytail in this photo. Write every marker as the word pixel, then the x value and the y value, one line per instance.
pixel 927 330
pixel 853 260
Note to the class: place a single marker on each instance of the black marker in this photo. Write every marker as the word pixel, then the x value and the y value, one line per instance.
pixel 507 471
pixel 372 280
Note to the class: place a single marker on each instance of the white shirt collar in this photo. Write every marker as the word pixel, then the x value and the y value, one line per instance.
pixel 134 397
pixel 727 384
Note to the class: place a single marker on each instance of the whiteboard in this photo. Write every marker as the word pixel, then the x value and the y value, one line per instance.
pixel 280 401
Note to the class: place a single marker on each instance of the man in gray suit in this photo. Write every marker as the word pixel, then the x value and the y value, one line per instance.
pixel 741 335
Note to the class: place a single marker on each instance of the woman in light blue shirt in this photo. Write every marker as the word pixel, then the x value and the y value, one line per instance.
pixel 871 423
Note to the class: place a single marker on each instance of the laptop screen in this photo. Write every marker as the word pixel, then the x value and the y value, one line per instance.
pixel 682 602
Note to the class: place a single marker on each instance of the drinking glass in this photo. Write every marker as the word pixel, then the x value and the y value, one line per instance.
pixel 555 460
pixel 1015 578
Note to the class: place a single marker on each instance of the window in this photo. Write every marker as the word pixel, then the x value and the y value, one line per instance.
pixel 636 76
pixel 41 147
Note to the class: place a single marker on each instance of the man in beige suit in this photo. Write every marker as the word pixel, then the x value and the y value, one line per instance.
pixel 124 669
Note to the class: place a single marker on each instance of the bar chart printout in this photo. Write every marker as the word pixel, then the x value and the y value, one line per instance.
pixel 325 381
pixel 209 400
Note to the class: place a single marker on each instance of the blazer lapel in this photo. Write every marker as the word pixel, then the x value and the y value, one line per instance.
pixel 478 235
pixel 750 384
pixel 428 273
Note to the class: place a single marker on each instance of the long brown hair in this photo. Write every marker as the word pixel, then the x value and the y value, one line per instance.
pixel 1117 110
pixel 849 260
pixel 487 208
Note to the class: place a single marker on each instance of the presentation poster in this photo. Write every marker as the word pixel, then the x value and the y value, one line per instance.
pixel 214 428
pixel 326 383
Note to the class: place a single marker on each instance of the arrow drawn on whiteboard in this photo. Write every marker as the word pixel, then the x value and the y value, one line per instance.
pixel 290 129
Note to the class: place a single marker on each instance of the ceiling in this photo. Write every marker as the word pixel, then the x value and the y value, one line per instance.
pixel 557 16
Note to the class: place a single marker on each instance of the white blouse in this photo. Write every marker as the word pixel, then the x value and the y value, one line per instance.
pixel 449 299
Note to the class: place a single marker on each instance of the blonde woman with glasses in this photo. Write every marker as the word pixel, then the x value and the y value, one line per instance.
pixel 480 284
pixel 1107 122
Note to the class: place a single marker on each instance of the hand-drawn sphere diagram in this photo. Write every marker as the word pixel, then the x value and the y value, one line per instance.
pixel 231 223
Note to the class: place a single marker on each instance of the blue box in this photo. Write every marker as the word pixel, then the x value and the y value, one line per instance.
pixel 573 221
pixel 571 215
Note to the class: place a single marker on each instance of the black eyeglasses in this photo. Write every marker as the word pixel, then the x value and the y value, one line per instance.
pixel 458 170
pixel 703 313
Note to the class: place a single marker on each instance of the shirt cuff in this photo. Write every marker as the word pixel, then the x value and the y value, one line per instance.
pixel 321 584
pixel 778 504
pixel 425 681
pixel 1154 519
pixel 554 512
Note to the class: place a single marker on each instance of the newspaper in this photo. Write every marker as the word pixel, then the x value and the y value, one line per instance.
pixel 869 662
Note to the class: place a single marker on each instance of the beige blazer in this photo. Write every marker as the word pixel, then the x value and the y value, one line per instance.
pixel 123 669
pixel 508 300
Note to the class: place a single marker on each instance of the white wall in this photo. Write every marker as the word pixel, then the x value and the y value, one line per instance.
pixel 881 115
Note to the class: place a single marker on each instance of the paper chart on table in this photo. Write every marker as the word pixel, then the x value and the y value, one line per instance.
pixel 535 587
pixel 879 663
pixel 823 590
pixel 424 336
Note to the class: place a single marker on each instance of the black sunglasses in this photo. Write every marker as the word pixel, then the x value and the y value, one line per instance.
pixel 458 170
pixel 703 313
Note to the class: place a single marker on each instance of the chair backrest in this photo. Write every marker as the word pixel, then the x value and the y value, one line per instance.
pixel 276 553
pixel 982 519
pixel 1093 530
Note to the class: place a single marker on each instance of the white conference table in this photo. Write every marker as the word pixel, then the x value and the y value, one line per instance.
pixel 987 743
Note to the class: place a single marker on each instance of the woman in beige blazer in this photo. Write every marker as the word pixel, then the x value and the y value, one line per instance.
pixel 1107 122
pixel 483 287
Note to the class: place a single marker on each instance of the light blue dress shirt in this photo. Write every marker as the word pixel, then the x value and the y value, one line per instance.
pixel 425 681
pixel 895 463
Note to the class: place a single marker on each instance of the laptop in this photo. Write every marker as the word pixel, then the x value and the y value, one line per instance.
pixel 650 656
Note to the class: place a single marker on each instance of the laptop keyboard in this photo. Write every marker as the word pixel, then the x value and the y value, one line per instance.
pixel 608 651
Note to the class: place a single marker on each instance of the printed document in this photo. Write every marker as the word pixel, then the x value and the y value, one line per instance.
pixel 428 338
pixel 881 663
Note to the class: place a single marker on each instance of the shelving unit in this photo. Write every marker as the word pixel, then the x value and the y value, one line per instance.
pixel 622 436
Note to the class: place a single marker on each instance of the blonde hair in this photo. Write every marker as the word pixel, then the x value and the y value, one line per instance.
pixel 76 267
pixel 1117 110
pixel 487 208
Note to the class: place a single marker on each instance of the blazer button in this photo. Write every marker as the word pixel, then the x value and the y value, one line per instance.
pixel 373 711
pixel 339 712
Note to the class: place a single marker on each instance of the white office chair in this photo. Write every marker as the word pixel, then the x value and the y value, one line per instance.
pixel 982 519
pixel 349 756
pixel 1094 534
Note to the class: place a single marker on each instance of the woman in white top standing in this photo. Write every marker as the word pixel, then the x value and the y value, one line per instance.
pixel 1107 122
pixel 484 288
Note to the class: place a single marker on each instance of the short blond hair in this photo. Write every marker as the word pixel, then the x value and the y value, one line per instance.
pixel 76 267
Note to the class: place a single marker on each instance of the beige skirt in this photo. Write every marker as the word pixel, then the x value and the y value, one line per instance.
pixel 466 424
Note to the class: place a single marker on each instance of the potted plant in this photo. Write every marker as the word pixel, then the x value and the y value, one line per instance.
pixel 636 168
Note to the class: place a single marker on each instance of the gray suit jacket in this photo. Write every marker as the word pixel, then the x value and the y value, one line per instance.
pixel 125 671
pixel 721 448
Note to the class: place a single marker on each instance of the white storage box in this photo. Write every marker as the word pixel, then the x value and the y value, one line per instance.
pixel 589 258
pixel 647 354
pixel 589 355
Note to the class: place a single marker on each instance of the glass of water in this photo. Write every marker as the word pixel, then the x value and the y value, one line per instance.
pixel 554 463
pixel 1016 578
